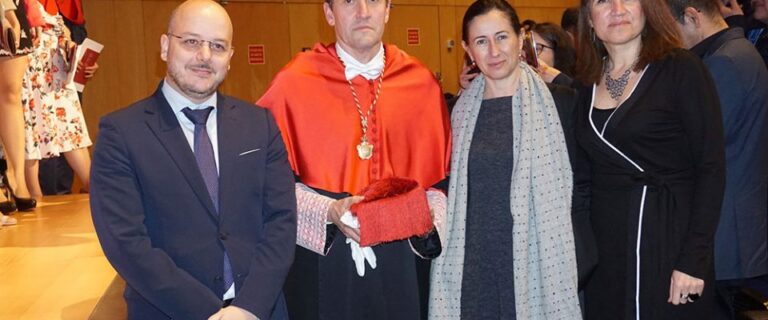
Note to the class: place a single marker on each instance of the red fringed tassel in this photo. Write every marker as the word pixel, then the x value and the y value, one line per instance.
pixel 393 209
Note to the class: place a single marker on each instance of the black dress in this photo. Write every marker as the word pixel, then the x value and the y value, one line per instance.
pixel 657 176
pixel 488 288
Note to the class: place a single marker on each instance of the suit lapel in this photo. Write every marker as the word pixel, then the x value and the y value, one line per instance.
pixel 228 148
pixel 167 129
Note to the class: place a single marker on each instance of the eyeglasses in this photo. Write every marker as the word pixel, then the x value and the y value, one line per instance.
pixel 540 47
pixel 194 44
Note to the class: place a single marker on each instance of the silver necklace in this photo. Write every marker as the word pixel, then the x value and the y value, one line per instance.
pixel 616 86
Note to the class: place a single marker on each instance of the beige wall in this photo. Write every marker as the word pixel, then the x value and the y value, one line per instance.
pixel 130 30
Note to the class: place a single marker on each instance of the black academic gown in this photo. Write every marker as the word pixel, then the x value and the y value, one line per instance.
pixel 657 179
pixel 328 287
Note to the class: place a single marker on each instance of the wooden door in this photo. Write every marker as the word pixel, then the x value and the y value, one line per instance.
pixel 257 23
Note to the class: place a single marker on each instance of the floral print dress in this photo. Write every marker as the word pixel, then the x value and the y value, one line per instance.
pixel 53 116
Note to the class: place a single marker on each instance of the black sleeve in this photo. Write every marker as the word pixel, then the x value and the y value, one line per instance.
pixel 567 101
pixel 703 126
pixel 442 185
pixel 428 247
pixel 563 80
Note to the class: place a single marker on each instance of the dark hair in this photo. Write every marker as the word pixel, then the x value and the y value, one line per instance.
pixel 528 24
pixel 707 7
pixel 481 7
pixel 570 19
pixel 467 59
pixel 660 36
pixel 565 53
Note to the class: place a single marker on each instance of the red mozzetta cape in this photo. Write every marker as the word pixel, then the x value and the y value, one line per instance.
pixel 50 6
pixel 72 10
pixel 313 106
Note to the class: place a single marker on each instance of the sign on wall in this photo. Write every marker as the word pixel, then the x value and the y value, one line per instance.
pixel 414 37
pixel 256 54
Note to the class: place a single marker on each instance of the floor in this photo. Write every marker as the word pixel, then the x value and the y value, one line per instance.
pixel 51 264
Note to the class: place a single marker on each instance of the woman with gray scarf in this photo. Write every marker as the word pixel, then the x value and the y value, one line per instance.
pixel 508 248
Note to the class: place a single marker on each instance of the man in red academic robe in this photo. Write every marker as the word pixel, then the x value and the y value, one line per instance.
pixel 351 113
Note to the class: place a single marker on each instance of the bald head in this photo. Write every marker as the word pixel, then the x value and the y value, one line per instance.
pixel 201 13
pixel 197 48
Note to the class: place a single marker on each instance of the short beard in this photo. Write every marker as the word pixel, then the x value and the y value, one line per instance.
pixel 176 78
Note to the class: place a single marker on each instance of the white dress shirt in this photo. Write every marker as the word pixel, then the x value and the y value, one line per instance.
pixel 179 102
pixel 353 68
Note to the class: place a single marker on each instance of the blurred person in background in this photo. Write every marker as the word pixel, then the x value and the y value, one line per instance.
pixel 556 54
pixel 12 135
pixel 742 85
pixel 54 119
pixel 570 22
pixel 56 176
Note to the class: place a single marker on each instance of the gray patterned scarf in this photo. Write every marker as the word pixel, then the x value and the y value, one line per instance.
pixel 543 254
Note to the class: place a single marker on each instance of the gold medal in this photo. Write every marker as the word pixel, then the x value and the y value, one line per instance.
pixel 364 150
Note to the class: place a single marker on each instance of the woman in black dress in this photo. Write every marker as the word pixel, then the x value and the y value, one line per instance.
pixel 12 68
pixel 509 250
pixel 650 124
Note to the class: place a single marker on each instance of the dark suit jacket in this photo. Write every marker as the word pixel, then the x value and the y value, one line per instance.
pixel 156 221
pixel 742 84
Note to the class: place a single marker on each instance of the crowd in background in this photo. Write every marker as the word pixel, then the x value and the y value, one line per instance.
pixel 42 117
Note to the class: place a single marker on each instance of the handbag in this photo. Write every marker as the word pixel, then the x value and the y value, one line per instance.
pixel 8 36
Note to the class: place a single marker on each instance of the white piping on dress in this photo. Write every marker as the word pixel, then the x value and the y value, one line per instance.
pixel 645 187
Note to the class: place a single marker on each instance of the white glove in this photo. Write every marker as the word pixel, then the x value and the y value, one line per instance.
pixel 359 254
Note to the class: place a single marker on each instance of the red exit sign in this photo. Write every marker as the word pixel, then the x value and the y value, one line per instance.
pixel 256 54
pixel 414 36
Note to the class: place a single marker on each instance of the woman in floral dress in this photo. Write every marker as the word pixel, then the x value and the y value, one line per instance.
pixel 53 115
